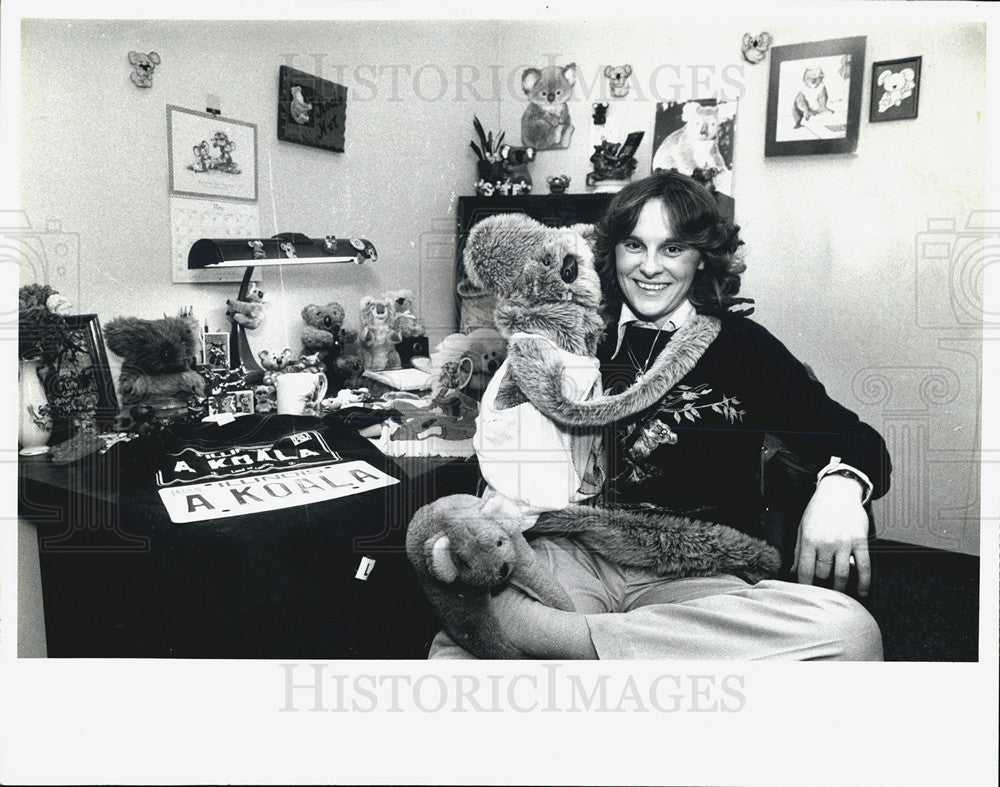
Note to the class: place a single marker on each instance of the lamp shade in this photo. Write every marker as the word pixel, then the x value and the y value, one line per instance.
pixel 285 249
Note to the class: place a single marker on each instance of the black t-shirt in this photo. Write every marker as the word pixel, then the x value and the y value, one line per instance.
pixel 288 510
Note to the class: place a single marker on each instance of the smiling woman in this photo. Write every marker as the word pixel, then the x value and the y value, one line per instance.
pixel 670 274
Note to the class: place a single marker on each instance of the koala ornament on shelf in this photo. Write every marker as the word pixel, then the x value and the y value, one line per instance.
pixel 407 322
pixel 379 335
pixel 515 163
pixel 143 67
pixel 558 183
pixel 546 124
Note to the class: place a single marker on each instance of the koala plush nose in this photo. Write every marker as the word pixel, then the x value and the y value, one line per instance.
pixel 569 270
pixel 327 322
pixel 504 570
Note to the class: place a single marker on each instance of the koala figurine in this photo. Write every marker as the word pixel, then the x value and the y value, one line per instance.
pixel 617 77
pixel 515 165
pixel 545 124
pixel 754 48
pixel 379 335
pixel 142 68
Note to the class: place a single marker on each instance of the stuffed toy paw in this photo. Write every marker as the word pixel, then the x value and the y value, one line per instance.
pixel 462 548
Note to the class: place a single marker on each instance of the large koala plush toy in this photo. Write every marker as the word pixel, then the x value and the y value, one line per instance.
pixel 548 301
pixel 157 360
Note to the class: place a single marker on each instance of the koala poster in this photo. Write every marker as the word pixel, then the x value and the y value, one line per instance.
pixel 696 138
pixel 812 98
pixel 545 124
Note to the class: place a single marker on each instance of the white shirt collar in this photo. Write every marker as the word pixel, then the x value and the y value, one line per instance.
pixel 677 318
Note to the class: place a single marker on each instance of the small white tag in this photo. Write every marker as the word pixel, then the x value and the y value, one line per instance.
pixel 365 568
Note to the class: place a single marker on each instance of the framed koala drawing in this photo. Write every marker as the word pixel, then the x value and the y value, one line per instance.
pixel 814 97
pixel 211 156
pixel 895 89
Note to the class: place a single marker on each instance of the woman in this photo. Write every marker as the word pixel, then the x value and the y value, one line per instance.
pixel 666 257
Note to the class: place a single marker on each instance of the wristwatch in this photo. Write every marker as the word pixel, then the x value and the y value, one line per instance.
pixel 836 467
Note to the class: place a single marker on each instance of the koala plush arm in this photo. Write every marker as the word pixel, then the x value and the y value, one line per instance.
pixel 670 545
pixel 538 370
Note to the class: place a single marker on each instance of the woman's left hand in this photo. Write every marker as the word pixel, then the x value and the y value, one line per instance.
pixel 834 526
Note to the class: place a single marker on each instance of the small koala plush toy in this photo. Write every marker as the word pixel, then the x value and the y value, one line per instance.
pixel 249 311
pixel 379 335
pixel 407 322
pixel 324 331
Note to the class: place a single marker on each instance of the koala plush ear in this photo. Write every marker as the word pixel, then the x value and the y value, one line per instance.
pixel 154 58
pixel 134 58
pixel 529 78
pixel 587 232
pixel 498 248
pixel 626 70
pixel 609 71
pixel 884 76
pixel 438 552
pixel 570 73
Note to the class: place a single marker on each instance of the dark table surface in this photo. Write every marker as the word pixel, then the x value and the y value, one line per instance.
pixel 116 587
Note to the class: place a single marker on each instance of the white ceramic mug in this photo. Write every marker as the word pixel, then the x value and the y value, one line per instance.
pixel 298 392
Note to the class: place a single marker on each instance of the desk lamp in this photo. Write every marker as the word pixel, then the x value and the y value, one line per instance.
pixel 288 248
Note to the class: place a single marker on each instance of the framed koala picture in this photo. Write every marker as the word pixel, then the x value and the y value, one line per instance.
pixel 895 89
pixel 814 97
pixel 696 138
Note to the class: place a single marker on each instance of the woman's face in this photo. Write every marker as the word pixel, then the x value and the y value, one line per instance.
pixel 655 271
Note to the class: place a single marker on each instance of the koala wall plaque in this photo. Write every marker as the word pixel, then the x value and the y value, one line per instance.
pixel 545 124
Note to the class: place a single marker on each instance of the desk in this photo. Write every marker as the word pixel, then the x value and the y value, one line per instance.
pixel 116 585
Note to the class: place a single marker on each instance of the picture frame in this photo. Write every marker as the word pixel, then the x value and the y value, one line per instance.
pixel 211 156
pixel 78 382
pixel 895 89
pixel 232 402
pixel 814 97
pixel 215 350
pixel 697 138
pixel 311 111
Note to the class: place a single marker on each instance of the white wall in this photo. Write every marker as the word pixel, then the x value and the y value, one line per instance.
pixel 833 238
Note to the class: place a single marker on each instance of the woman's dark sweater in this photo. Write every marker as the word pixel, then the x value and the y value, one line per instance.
pixel 699 449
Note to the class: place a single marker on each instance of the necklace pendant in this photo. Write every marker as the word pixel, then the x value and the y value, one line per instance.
pixel 639 374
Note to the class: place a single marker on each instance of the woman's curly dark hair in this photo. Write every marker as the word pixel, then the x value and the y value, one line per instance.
pixel 696 221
